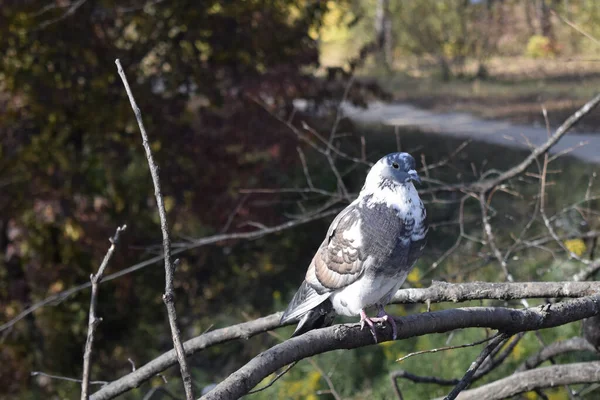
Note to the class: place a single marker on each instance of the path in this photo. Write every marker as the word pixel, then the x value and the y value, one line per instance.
pixel 586 145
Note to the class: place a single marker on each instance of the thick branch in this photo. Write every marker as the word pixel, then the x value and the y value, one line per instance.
pixel 555 349
pixel 93 321
pixel 169 295
pixel 350 336
pixel 438 292
pixel 547 377
pixel 441 291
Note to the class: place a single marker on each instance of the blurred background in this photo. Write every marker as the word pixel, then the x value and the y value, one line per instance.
pixel 225 88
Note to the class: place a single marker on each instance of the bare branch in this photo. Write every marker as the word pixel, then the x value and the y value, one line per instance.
pixel 554 349
pixel 488 366
pixel 588 271
pixel 438 292
pixel 93 321
pixel 66 378
pixel 350 336
pixel 496 342
pixel 460 346
pixel 441 291
pixel 244 330
pixel 70 11
pixel 576 27
pixel 491 239
pixel 275 379
pixel 169 295
pixel 488 184
pixel 547 377
pixel 205 241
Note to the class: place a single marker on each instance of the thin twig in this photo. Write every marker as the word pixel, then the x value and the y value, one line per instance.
pixel 487 184
pixel 73 7
pixel 279 375
pixel 576 27
pixel 305 168
pixel 93 321
pixel 460 346
pixel 66 378
pixel 169 295
pixel 497 341
pixel 205 241
pixel 488 366
pixel 325 376
pixel 234 213
pixel 545 218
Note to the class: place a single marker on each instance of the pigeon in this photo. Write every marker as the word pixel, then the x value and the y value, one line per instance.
pixel 370 248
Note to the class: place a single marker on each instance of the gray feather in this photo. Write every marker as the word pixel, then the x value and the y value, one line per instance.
pixel 305 299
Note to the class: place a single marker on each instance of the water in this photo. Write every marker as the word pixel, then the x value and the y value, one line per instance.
pixel 585 146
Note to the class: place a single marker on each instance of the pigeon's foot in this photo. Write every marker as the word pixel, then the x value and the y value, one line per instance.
pixel 383 316
pixel 364 319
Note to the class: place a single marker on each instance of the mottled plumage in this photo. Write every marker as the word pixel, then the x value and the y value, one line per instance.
pixel 370 248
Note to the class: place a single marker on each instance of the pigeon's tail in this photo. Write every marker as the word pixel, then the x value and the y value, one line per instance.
pixel 319 317
pixel 313 309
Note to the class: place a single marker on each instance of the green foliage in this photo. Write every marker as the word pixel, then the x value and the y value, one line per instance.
pixel 540 47
pixel 72 168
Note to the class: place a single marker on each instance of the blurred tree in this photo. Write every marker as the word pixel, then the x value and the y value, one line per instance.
pixel 383 31
pixel 71 168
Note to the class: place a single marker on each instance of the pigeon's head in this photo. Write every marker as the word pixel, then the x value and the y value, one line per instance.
pixel 395 168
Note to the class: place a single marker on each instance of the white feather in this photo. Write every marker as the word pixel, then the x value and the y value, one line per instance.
pixel 365 292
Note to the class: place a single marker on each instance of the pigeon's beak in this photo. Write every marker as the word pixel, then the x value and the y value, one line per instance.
pixel 412 174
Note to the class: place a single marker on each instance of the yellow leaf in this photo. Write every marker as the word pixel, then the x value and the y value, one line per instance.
pixel 72 230
pixel 169 203
pixel 531 395
pixel 576 246
pixel 414 278
pixel 56 287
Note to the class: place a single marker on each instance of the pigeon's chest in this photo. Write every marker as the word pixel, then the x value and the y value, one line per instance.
pixel 389 231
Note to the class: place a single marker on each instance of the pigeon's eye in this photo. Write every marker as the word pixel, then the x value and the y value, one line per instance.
pixel 395 165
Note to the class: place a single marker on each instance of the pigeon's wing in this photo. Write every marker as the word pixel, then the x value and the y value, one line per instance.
pixel 341 258
pixel 337 263
pixel 305 299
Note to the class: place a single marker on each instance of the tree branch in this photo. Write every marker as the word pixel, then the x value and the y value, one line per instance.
pixel 437 293
pixel 205 241
pixel 547 377
pixel 487 184
pixel 169 295
pixel 489 365
pixel 466 379
pixel 92 320
pixel 440 292
pixel 555 349
pixel 349 336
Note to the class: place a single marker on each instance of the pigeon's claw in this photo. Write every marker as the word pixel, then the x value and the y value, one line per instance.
pixel 382 316
pixel 364 319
